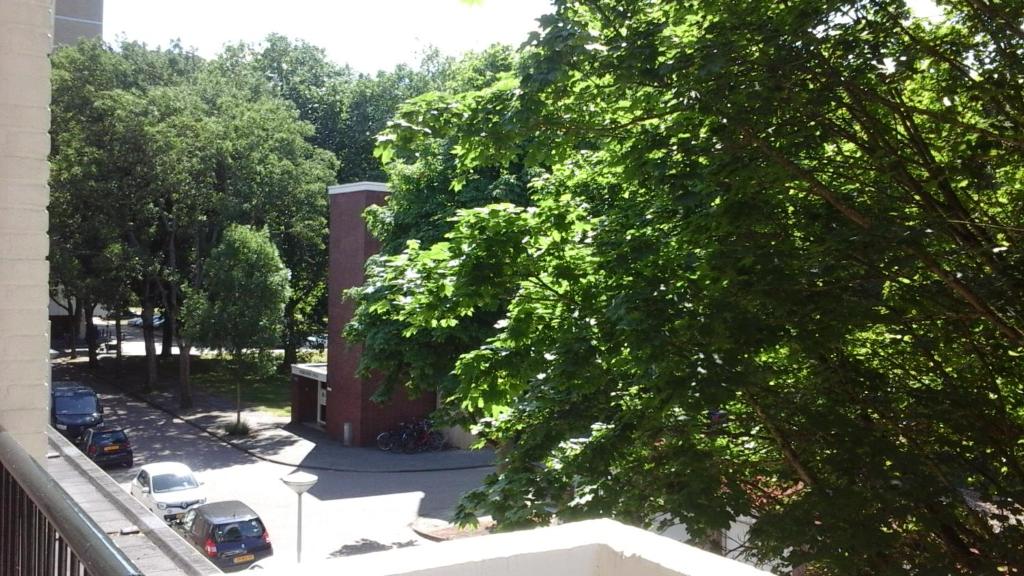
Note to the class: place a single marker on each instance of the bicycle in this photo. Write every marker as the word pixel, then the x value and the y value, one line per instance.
pixel 419 437
pixel 415 437
pixel 388 439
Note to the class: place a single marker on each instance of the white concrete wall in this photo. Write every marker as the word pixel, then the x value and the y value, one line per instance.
pixel 734 542
pixel 459 437
pixel 25 39
pixel 592 548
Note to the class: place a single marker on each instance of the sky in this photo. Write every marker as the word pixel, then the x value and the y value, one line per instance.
pixel 368 35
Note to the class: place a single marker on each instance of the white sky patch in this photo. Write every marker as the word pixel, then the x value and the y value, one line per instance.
pixel 920 8
pixel 367 35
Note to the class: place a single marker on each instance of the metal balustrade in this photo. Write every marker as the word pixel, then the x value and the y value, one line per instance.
pixel 43 532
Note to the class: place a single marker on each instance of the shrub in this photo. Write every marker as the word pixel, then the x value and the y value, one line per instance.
pixel 239 428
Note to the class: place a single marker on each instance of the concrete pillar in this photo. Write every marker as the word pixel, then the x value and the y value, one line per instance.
pixel 25 40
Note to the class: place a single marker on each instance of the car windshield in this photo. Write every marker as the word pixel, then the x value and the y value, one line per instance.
pixel 75 404
pixel 112 437
pixel 236 531
pixel 173 482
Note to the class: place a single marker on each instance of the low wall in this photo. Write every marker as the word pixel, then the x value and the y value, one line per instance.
pixel 592 548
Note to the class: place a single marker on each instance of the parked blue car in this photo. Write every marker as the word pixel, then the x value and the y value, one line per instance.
pixel 107 445
pixel 229 533
pixel 74 408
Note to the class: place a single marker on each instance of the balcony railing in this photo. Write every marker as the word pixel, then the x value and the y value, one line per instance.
pixel 42 530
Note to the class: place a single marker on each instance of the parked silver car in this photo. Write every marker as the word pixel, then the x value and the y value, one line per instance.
pixel 168 489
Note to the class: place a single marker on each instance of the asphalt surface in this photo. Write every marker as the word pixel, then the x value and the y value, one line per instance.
pixel 345 513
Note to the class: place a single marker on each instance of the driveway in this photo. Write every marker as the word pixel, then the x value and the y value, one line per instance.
pixel 346 512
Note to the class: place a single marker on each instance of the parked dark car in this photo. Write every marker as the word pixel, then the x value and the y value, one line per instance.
pixel 107 445
pixel 74 408
pixel 229 533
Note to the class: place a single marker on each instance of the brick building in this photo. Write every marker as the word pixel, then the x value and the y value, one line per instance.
pixel 330 395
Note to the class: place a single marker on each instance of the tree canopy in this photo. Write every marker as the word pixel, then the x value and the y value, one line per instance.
pixel 164 152
pixel 240 304
pixel 241 300
pixel 768 266
pixel 347 111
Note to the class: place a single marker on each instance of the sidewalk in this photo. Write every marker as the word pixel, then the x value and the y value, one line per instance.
pixel 274 439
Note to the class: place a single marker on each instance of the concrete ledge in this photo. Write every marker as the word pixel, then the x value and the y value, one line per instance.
pixel 591 548
pixel 358 187
pixel 316 372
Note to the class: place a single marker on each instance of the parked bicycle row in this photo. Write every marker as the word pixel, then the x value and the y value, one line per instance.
pixel 410 437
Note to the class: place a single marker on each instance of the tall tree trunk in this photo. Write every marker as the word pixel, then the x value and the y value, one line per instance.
pixel 147 336
pixel 184 374
pixel 171 315
pixel 91 335
pixel 238 404
pixel 291 353
pixel 76 314
pixel 167 342
pixel 119 336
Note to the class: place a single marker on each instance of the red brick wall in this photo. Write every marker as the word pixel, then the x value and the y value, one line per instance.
pixel 304 392
pixel 377 418
pixel 348 398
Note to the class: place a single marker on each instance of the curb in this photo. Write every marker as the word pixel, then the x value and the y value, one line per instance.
pixel 223 439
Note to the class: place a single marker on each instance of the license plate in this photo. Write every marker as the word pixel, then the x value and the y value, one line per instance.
pixel 245 558
pixel 111 448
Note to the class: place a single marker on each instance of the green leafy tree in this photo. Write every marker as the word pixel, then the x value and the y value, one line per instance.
pixel 372 102
pixel 319 90
pixel 165 152
pixel 240 303
pixel 420 209
pixel 259 170
pixel 771 269
pixel 101 183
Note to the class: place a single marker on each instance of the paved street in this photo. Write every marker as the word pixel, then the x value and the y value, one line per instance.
pixel 359 511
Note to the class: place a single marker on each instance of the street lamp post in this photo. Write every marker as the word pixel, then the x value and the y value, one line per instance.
pixel 299 482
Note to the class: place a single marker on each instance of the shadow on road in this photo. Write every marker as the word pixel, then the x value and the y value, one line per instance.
pixel 149 432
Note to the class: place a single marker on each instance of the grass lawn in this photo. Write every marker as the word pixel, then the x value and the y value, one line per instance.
pixel 265 390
